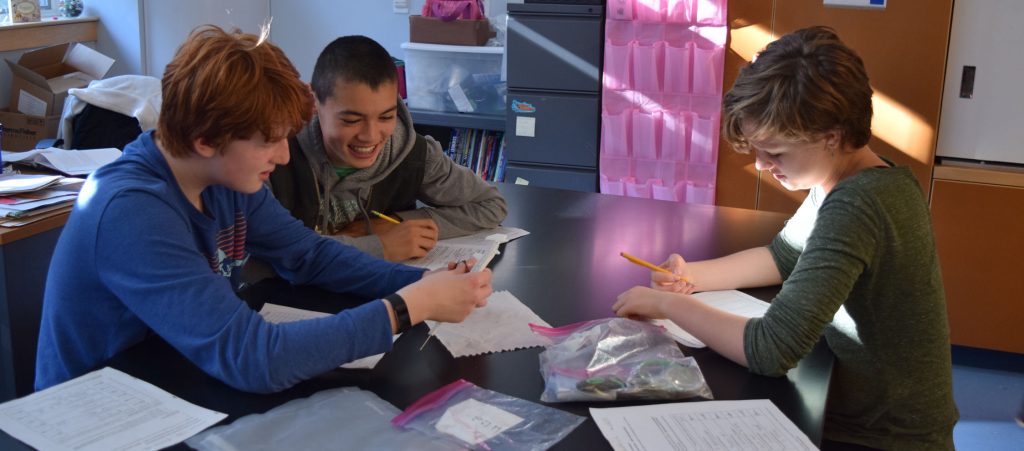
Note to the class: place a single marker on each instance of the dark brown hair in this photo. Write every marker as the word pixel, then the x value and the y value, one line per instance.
pixel 802 86
pixel 224 86
pixel 352 59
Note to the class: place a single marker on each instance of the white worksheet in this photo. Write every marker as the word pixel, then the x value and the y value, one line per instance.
pixel 482 245
pixel 748 425
pixel 103 410
pixel 501 325
pixel 732 301
pixel 283 314
pixel 442 253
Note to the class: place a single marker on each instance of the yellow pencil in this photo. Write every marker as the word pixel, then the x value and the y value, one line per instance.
pixel 651 266
pixel 385 217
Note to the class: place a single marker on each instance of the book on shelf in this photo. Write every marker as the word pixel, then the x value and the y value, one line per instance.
pixel 481 151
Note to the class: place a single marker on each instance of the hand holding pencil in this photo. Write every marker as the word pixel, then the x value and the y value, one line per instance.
pixel 673 275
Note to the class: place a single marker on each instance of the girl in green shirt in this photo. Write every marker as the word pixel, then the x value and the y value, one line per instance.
pixel 857 261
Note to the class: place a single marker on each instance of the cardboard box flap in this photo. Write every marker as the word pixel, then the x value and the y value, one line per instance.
pixel 44 57
pixel 27 74
pixel 89 61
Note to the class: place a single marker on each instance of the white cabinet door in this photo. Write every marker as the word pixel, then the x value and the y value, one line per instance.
pixel 989 125
pixel 168 23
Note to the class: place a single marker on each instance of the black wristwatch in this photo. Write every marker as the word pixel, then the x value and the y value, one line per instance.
pixel 401 312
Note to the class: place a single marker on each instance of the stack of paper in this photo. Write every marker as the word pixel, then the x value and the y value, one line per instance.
pixel 70 162
pixel 25 199
pixel 24 183
pixel 732 301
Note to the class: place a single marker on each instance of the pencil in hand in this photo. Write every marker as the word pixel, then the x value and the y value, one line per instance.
pixel 385 217
pixel 429 336
pixel 652 266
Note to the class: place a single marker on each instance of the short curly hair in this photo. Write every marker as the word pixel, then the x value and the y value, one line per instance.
pixel 224 86
pixel 801 86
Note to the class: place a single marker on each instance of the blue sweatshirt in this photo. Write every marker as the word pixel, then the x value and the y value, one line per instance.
pixel 136 256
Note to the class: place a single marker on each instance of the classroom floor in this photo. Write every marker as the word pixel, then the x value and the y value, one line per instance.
pixel 988 387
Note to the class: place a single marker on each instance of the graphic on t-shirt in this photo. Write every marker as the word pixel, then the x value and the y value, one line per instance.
pixel 230 253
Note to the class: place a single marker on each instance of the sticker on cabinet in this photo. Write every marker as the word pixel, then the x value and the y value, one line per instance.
pixel 523 107
pixel 525 126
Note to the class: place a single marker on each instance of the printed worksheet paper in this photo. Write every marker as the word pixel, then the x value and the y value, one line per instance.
pixel 103 410
pixel 748 425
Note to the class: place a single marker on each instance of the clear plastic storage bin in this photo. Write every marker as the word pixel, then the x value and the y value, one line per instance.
pixel 454 78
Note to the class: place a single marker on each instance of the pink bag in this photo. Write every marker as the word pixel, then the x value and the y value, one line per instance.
pixel 449 10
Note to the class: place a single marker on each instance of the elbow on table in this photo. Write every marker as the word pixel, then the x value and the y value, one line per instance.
pixel 500 211
pixel 264 383
pixel 771 362
pixel 772 371
pixel 247 374
pixel 768 353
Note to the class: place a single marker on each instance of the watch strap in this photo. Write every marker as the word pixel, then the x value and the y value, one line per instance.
pixel 401 310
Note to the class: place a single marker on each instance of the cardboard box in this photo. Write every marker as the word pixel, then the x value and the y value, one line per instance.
pixel 430 30
pixel 41 78
pixel 22 132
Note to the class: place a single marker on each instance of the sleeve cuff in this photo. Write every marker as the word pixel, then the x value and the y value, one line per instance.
pixel 369 244
pixel 419 213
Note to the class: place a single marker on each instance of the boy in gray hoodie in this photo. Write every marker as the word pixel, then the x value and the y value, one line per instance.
pixel 360 153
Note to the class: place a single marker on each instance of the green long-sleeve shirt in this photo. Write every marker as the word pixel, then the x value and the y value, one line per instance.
pixel 859 266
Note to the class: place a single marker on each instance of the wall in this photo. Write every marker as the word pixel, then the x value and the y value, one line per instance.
pixel 119 34
pixel 303 31
pixel 904 50
pixel 166 24
pixel 142 35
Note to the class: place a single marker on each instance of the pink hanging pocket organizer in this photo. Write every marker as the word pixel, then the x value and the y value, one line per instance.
pixel 662 94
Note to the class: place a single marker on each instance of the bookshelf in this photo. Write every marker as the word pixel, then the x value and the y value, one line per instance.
pixel 476 141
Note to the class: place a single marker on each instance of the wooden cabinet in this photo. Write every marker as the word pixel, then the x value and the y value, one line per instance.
pixel 978 216
pixel 904 50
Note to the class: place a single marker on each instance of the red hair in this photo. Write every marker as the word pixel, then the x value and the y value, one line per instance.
pixel 224 86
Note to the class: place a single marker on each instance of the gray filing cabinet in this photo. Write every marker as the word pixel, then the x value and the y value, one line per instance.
pixel 553 110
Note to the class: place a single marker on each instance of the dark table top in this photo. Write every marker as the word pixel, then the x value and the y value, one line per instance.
pixel 567 270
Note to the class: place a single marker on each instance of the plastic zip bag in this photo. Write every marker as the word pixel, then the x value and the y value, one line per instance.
pixel 331 419
pixel 616 359
pixel 470 416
